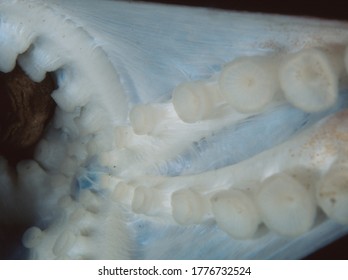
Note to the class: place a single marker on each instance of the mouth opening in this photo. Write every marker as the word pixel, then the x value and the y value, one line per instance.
pixel 26 107
pixel 58 92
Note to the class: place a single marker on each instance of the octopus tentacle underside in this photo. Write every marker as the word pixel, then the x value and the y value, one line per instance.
pixel 143 131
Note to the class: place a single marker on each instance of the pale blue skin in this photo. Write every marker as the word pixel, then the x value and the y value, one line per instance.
pixel 233 144
pixel 191 44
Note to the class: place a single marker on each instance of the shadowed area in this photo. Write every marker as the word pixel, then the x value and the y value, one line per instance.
pixel 10 240
pixel 297 7
pixel 25 109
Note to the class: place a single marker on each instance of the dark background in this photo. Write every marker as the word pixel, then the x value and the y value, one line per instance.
pixel 325 9
pixel 321 9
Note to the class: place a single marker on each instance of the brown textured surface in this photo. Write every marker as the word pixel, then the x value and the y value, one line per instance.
pixel 25 109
